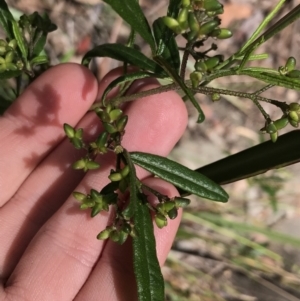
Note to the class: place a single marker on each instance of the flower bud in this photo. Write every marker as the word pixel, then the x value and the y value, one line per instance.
pixel 114 235
pixel 70 131
pixel 2 50
pixel 104 116
pixel 125 171
pixel 11 66
pixel 290 64
pixel 168 205
pixel 160 220
pixel 102 139
pixel 281 123
pixel 109 128
pixel 193 22
pixel 294 123
pixel 121 123
pixel 208 27
pixel 195 78
pixel 271 128
pixel 274 136
pixel 215 97
pixel 213 62
pixel 293 116
pixel 115 114
pixel 161 209
pixel 294 106
pixel 79 196
pixel 183 18
pixel 185 3
pixel 3 43
pixel 294 74
pixel 212 5
pixel 9 57
pixel 181 202
pixel 172 214
pixel 13 44
pixel 172 24
pixel 122 237
pixel 104 234
pixel 115 177
pixel 80 164
pixel 2 68
pixel 200 66
pixel 224 33
pixel 92 165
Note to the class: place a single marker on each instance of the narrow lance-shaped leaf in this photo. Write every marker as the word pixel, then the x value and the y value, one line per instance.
pixel 289 18
pixel 10 74
pixel 181 176
pixel 150 282
pixel 20 40
pixel 124 54
pixel 271 78
pixel 131 12
pixel 173 8
pixel 166 44
pixel 123 79
pixel 255 160
pixel 6 18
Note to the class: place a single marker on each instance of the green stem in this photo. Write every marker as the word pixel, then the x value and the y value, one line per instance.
pixel 263 24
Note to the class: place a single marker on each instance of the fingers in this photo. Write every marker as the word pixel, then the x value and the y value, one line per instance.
pixel 113 274
pixel 32 126
pixel 65 249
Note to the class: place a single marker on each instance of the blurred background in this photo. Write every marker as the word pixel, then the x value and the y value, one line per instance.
pixel 249 248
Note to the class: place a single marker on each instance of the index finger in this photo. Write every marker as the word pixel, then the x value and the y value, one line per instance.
pixel 33 125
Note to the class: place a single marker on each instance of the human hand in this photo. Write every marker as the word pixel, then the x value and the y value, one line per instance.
pixel 48 247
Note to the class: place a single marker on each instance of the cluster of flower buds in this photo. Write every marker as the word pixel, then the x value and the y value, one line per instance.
pixel 9 59
pixel 289 68
pixel 120 177
pixel 168 208
pixel 113 119
pixel 292 117
pixel 76 139
pixel 198 19
pixel 118 232
pixel 203 66
pixel 96 201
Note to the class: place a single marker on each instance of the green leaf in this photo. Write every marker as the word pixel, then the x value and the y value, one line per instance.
pixel 166 44
pixel 43 26
pixel 181 176
pixel 255 160
pixel 273 78
pixel 289 18
pixel 5 19
pixel 10 74
pixel 177 79
pixel 20 40
pixel 39 60
pixel 150 282
pixel 123 79
pixel 173 9
pixel 132 13
pixel 39 43
pixel 124 54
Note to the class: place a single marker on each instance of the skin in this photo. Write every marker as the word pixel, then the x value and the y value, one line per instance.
pixel 48 248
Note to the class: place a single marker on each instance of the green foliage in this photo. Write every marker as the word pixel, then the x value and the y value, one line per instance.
pixel 197 21
pixel 179 175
